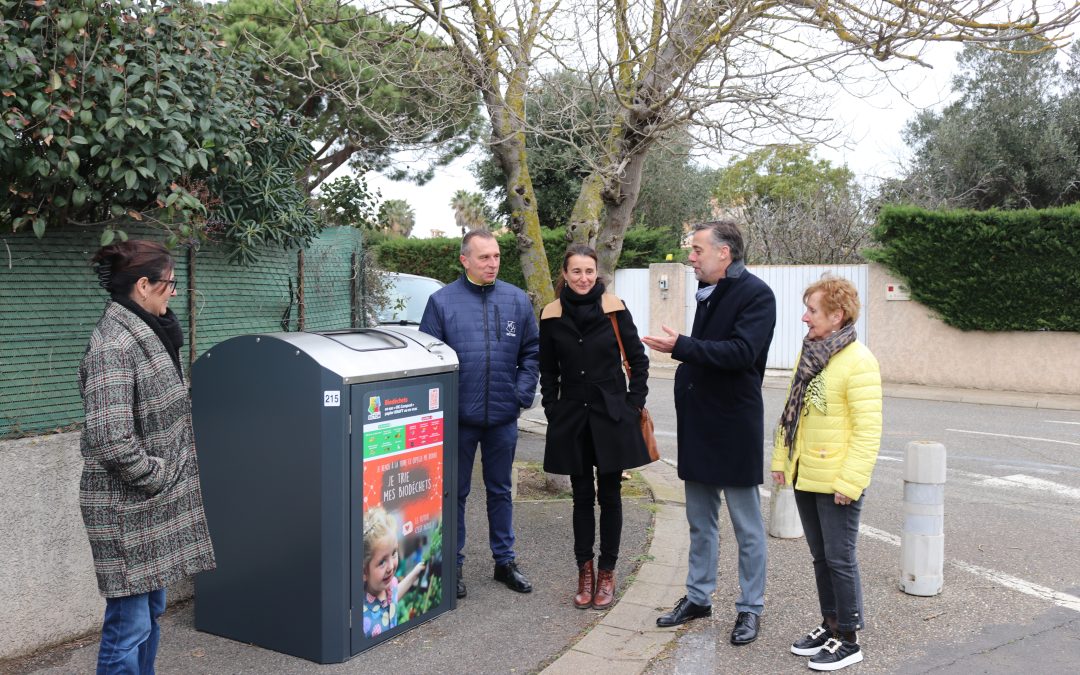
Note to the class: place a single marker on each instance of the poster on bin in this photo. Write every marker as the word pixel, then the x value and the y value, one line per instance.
pixel 402 505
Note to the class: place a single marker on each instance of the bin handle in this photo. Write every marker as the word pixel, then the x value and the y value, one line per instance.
pixel 427 347
pixel 329 335
pixel 435 342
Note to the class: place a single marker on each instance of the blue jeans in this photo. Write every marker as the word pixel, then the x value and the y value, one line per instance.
pixel 130 634
pixel 497 447
pixel 831 531
pixel 702 514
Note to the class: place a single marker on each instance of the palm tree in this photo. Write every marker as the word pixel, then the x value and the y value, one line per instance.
pixel 470 211
pixel 396 216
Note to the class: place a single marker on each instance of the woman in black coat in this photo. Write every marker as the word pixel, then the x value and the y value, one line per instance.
pixel 594 418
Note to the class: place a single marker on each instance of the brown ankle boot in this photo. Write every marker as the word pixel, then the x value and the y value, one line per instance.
pixel 605 589
pixel 584 597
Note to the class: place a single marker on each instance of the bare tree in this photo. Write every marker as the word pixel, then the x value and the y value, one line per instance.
pixel 820 230
pixel 738 72
pixel 794 207
pixel 733 72
pixel 494 47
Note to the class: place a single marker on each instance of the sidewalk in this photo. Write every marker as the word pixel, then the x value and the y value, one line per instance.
pixel 627 638
pixel 493 630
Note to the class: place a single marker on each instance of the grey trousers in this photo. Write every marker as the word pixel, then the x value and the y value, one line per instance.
pixel 831 533
pixel 702 514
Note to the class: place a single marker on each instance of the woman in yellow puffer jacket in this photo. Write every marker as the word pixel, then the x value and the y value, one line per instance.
pixel 826 446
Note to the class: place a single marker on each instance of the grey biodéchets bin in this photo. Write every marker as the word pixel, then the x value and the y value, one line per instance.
pixel 328 464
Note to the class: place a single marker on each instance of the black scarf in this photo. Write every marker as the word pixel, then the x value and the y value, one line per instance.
pixel 166 327
pixel 815 356
pixel 584 310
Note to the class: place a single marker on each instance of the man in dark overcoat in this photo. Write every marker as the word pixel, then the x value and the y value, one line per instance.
pixel 721 426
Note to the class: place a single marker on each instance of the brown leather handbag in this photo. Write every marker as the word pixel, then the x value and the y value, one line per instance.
pixel 647 431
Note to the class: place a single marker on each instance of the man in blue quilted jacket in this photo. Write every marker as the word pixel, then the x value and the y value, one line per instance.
pixel 491 326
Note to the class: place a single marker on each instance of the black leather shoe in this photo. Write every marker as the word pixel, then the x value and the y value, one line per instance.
pixel 746 629
pixel 683 612
pixel 510 575
pixel 461 592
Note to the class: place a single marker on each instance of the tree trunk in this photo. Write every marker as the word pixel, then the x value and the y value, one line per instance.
pixel 508 145
pixel 585 218
pixel 620 201
pixel 634 132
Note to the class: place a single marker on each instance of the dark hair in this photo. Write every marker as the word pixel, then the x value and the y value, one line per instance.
pixel 572 250
pixel 120 265
pixel 725 233
pixel 578 249
pixel 473 234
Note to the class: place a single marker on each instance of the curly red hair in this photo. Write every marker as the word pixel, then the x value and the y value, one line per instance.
pixel 836 293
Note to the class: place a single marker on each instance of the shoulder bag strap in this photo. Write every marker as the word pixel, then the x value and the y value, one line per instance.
pixel 618 337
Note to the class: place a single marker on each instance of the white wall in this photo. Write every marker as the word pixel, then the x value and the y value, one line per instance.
pixel 48 591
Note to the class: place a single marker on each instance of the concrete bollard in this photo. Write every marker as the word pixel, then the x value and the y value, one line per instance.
pixel 922 541
pixel 784 520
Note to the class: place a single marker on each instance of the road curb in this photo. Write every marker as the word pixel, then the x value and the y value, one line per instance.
pixel 627 638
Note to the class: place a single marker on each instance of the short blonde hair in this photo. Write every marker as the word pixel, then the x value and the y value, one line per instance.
pixel 836 293
pixel 378 526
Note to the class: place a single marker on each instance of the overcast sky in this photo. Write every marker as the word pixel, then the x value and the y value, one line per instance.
pixel 870 125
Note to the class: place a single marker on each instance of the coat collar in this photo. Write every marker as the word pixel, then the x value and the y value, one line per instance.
pixel 143 335
pixel 475 287
pixel 608 301
pixel 704 314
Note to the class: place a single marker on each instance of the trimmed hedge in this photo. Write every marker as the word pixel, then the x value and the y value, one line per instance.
pixel 438 258
pixel 987 270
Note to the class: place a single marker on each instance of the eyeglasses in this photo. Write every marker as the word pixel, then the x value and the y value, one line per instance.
pixel 170 282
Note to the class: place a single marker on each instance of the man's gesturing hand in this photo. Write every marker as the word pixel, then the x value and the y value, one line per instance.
pixel 662 344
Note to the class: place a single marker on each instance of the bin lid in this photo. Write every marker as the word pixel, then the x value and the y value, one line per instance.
pixel 371 354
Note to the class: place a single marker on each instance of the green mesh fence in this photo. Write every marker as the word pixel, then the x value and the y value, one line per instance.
pixel 50 303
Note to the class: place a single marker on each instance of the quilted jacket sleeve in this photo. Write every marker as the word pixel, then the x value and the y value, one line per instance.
pixel 528 365
pixel 108 378
pixel 864 406
pixel 549 367
pixel 432 321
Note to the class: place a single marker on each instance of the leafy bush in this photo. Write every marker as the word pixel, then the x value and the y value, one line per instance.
pixel 134 111
pixel 987 270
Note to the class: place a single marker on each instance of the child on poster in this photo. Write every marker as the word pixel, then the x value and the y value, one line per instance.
pixel 382 588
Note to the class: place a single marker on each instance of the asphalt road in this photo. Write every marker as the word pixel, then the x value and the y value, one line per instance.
pixel 1011 598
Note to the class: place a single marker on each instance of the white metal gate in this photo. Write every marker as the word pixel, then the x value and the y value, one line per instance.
pixel 787 282
pixel 632 287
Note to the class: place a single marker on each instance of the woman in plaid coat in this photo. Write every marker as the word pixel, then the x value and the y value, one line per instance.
pixel 139 492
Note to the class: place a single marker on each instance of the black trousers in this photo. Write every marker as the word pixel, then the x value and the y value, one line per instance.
pixel 608 493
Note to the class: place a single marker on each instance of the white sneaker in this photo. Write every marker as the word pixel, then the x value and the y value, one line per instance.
pixel 836 654
pixel 812 642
